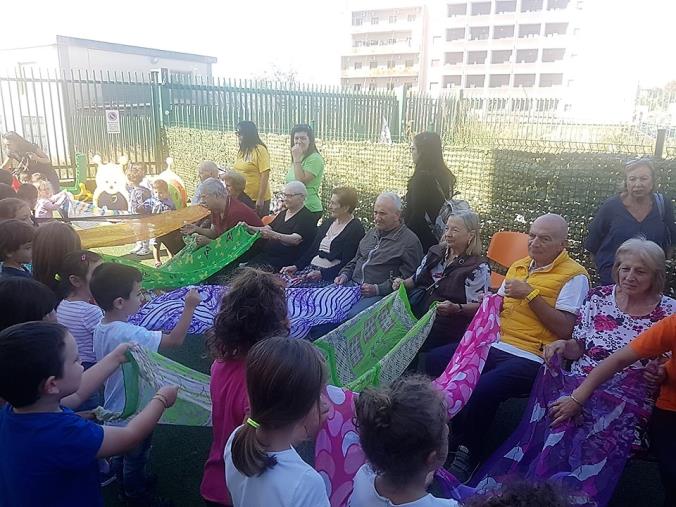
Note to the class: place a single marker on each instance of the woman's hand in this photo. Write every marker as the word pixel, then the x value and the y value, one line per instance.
pixel 396 283
pixel 554 349
pixel 267 233
pixel 340 280
pixel 368 290
pixel 563 409
pixel 202 240
pixel 297 153
pixel 447 308
pixel 288 270
pixel 188 229
pixel 250 228
pixel 314 276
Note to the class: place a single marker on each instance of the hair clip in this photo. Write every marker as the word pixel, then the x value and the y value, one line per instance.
pixel 252 423
pixel 83 258
pixel 57 277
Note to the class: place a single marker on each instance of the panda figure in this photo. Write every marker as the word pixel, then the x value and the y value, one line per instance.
pixel 111 185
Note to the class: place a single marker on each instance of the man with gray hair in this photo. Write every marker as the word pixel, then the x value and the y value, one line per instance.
pixel 207 169
pixel 226 212
pixel 389 250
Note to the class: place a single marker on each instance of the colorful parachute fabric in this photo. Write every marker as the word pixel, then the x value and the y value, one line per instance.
pixel 193 264
pixel 377 345
pixel 307 307
pixel 140 229
pixel 145 373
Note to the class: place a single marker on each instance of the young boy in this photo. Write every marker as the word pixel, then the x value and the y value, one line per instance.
pixel 138 195
pixel 48 453
pixel 160 202
pixel 16 243
pixel 115 288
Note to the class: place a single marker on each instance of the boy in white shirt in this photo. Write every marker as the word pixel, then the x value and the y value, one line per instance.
pixel 116 289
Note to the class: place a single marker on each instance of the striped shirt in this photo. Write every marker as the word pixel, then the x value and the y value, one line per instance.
pixel 81 318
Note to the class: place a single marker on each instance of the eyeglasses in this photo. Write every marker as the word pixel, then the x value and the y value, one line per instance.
pixel 290 195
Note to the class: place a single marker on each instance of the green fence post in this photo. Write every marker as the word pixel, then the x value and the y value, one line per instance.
pixel 398 129
pixel 160 102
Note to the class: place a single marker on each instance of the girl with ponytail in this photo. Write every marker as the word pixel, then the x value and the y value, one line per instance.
pixel 285 379
pixel 403 430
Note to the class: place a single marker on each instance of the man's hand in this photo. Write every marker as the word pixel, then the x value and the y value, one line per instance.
pixel 340 280
pixel 447 308
pixel 368 290
pixel 314 276
pixel 655 373
pixel 202 240
pixel 188 229
pixel 554 349
pixel 396 283
pixel 517 289
pixel 288 270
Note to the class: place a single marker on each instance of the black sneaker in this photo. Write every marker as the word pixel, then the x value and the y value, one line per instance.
pixel 463 465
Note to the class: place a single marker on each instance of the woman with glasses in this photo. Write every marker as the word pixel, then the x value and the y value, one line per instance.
pixel 638 210
pixel 290 233
pixel 253 161
pixel 307 167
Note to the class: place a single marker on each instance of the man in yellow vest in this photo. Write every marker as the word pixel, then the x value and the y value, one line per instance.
pixel 543 293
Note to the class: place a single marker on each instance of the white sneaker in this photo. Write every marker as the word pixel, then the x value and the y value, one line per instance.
pixel 136 248
pixel 142 251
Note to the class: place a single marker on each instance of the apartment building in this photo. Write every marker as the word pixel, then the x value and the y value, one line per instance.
pixel 502 47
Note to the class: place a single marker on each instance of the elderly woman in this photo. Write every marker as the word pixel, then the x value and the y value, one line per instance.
pixel 226 212
pixel 336 241
pixel 600 441
pixel 236 183
pixel 455 274
pixel 637 210
pixel 307 167
pixel 290 233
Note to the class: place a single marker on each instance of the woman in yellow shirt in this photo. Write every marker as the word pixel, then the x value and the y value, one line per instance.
pixel 253 161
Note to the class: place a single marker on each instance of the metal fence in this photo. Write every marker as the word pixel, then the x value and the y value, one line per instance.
pixel 67 114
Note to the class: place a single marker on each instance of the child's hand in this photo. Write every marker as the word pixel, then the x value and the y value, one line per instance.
pixel 192 299
pixel 170 393
pixel 119 353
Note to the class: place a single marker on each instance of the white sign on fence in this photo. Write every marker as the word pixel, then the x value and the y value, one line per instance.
pixel 113 121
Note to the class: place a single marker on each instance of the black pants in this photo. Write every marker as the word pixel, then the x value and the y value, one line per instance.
pixel 663 444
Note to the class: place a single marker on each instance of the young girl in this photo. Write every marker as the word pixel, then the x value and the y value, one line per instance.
pixel 138 194
pixel 285 378
pixel 254 309
pixel 51 243
pixel 403 430
pixel 48 202
pixel 76 312
pixel 159 203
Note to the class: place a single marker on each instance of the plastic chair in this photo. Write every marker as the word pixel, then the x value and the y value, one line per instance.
pixel 505 248
pixel 267 219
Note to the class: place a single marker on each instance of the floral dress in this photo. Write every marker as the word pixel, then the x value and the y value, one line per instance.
pixel 602 328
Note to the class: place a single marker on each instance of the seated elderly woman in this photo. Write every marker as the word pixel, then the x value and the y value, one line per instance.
pixel 235 182
pixel 600 441
pixel 336 241
pixel 226 212
pixel 290 233
pixel 453 273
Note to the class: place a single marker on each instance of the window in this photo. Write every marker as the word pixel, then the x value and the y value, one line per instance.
pixel 373 65
pixel 503 32
pixel 358 43
pixel 456 10
pixel 553 54
pixel 392 19
pixel 555 29
pixel 390 64
pixel 435 62
pixel 529 30
pixel 481 8
pixel 477 57
pixel 356 87
pixel 375 20
pixel 479 32
pixel 475 80
pixel 498 80
pixel 434 85
pixel 451 81
pixel 391 41
pixel 570 83
pixel 504 6
pixel 454 58
pixel 567 108
pixel 557 4
pixel 524 80
pixel 357 19
pixel 373 42
pixel 502 56
pixel 372 87
pixel 526 55
pixel 549 80
pixel 357 65
pixel 408 64
pixel 436 40
pixel 455 34
pixel 531 5
pixel 390 85
pixel 410 18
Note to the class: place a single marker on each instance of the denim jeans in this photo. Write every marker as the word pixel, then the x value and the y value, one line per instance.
pixel 131 468
pixel 663 444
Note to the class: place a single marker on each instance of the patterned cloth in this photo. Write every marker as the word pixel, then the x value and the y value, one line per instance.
pixel 307 307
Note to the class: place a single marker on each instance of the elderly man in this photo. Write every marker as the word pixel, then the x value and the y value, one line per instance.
pixel 389 250
pixel 543 293
pixel 226 212
pixel 207 169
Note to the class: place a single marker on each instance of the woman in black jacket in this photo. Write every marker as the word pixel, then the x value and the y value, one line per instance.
pixel 430 186
pixel 336 241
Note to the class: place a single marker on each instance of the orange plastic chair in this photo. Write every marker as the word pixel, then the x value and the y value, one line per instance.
pixel 267 219
pixel 505 248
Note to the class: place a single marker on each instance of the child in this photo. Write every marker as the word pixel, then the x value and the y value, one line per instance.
pixel 48 202
pixel 403 430
pixel 29 194
pixel 16 243
pixel 23 300
pixel 522 494
pixel 284 379
pixel 48 453
pixel 13 207
pixel 76 312
pixel 52 242
pixel 138 195
pixel 252 310
pixel 116 288
pixel 160 202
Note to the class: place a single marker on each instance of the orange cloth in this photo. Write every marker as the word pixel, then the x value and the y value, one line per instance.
pixel 657 340
pixel 140 229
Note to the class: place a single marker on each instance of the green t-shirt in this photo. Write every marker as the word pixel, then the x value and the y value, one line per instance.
pixel 312 164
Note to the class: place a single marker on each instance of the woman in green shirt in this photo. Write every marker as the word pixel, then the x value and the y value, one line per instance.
pixel 307 166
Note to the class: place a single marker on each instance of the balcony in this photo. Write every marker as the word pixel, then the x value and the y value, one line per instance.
pixel 381 72
pixel 384 26
pixel 386 49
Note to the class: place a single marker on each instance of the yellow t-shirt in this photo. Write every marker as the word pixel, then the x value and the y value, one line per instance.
pixel 252 166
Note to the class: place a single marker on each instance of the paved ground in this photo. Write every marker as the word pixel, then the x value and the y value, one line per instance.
pixel 179 454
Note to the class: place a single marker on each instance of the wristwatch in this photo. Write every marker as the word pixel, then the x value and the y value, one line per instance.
pixel 532 295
